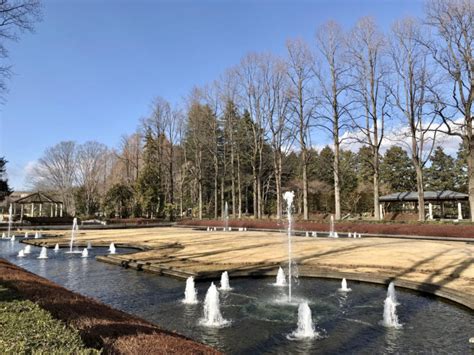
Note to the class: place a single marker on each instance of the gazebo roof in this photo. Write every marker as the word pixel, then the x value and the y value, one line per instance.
pixel 37 197
pixel 412 196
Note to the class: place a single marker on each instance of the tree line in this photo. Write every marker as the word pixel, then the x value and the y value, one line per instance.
pixel 251 134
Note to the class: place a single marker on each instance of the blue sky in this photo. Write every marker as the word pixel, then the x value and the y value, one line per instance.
pixel 92 67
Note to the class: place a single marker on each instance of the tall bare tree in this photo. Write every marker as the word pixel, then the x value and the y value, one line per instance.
pixel 90 171
pixel 452 47
pixel 301 75
pixel 410 95
pixel 251 73
pixel 56 170
pixel 367 47
pixel 332 75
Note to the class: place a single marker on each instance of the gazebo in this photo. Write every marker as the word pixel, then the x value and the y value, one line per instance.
pixel 408 201
pixel 38 204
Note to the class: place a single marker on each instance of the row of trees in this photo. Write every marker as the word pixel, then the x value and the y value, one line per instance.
pixel 250 134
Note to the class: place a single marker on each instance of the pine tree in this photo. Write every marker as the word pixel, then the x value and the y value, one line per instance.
pixel 441 173
pixel 149 182
pixel 396 170
pixel 4 187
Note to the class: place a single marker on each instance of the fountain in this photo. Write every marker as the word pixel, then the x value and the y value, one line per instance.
pixel 112 248
pixel 212 313
pixel 331 228
pixel 85 253
pixel 26 235
pixel 21 253
pixel 10 219
pixel 305 323
pixel 43 253
pixel 89 245
pixel 288 197
pixel 27 249
pixel 36 235
pixel 280 279
pixel 56 248
pixel 190 293
pixel 391 292
pixel 344 287
pixel 12 239
pixel 3 235
pixel 74 230
pixel 390 318
pixel 225 286
pixel 226 218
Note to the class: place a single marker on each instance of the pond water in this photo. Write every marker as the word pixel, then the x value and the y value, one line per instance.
pixel 260 322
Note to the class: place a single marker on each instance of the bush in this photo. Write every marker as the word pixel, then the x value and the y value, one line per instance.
pixel 27 328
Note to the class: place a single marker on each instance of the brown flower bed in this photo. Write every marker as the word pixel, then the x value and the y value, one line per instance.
pixel 99 325
pixel 417 229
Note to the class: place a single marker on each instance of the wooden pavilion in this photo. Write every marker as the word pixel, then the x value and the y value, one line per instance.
pixel 38 204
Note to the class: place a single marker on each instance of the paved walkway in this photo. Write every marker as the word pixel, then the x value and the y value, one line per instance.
pixel 444 268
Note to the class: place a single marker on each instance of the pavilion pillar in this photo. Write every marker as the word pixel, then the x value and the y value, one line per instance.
pixel 459 211
pixel 52 211
pixel 55 210
pixel 41 210
pixel 430 210
pixel 381 210
pixel 32 210
pixel 60 210
pixel 21 213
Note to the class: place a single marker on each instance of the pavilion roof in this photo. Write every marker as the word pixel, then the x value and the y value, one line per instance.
pixel 412 196
pixel 37 197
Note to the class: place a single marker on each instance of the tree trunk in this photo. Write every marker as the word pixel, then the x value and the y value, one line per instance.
pixel 232 179
pixel 239 188
pixel 337 187
pixel 470 160
pixel 421 193
pixel 305 186
pixel 376 186
pixel 255 198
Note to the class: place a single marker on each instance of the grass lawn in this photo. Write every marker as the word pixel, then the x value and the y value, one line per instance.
pixel 27 328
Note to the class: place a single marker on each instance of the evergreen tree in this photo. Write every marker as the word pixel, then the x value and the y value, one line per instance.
pixel 461 170
pixel 396 170
pixel 441 173
pixel 149 182
pixel 4 187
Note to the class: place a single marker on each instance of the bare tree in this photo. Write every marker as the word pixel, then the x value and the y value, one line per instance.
pixel 367 46
pixel 16 16
pixel 332 75
pixel 90 170
pixel 56 170
pixel 452 47
pixel 251 73
pixel 410 93
pixel 276 106
pixel 301 75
